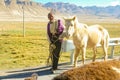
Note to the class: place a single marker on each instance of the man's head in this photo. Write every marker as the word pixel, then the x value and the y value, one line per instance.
pixel 50 16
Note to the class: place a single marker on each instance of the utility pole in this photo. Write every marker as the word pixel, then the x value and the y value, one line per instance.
pixel 23 21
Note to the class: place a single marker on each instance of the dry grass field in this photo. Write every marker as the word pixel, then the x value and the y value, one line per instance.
pixel 17 51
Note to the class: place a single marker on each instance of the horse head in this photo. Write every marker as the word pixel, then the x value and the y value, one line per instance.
pixel 69 26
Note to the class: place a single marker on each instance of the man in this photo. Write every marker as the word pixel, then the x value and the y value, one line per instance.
pixel 54 30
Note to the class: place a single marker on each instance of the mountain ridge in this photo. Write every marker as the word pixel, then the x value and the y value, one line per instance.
pixel 34 11
pixel 111 11
pixel 13 9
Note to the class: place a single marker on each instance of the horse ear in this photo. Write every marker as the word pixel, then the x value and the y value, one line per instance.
pixel 64 18
pixel 74 17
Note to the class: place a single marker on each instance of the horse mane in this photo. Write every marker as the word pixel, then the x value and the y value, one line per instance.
pixel 77 23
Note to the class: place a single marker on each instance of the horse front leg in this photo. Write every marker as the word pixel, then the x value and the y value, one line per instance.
pixel 77 51
pixel 83 54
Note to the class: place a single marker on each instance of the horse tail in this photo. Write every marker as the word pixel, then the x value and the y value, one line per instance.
pixel 107 37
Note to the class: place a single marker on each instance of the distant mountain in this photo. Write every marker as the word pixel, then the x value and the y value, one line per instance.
pixel 110 11
pixel 13 10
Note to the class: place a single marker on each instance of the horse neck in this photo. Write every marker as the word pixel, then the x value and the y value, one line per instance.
pixel 78 26
pixel 80 29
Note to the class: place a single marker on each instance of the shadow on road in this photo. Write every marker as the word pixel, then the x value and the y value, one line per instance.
pixel 41 71
pixel 26 73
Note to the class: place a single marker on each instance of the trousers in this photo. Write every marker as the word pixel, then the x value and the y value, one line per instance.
pixel 56 54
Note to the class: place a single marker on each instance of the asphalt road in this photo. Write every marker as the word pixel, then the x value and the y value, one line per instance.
pixel 44 72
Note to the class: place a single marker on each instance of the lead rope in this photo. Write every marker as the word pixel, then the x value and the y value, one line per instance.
pixel 51 49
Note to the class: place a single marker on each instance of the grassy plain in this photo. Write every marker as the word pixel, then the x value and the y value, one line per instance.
pixel 17 51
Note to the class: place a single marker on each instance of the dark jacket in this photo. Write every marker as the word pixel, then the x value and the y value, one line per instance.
pixel 59 31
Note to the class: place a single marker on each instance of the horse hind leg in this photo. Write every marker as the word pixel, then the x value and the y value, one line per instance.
pixel 105 44
pixel 105 53
pixel 77 51
pixel 94 55
pixel 105 47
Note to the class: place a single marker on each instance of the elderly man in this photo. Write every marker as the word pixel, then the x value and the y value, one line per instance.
pixel 54 30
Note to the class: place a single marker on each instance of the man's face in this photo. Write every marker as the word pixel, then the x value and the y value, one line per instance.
pixel 50 17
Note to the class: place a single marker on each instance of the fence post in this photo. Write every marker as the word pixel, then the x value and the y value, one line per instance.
pixel 112 52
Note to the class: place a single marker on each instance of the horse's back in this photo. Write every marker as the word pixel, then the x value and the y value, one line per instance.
pixel 96 34
pixel 96 27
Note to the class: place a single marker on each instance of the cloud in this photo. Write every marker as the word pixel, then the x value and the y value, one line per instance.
pixel 114 3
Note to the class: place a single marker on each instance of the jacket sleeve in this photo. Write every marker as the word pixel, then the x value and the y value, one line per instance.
pixel 48 33
pixel 60 27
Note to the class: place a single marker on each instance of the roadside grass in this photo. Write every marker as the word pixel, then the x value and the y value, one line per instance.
pixel 32 50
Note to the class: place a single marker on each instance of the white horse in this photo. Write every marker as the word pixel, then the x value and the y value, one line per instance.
pixel 86 36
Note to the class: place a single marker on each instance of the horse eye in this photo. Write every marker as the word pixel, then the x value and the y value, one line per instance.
pixel 65 24
pixel 71 24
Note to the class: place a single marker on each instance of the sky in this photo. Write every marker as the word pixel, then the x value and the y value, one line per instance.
pixel 84 3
